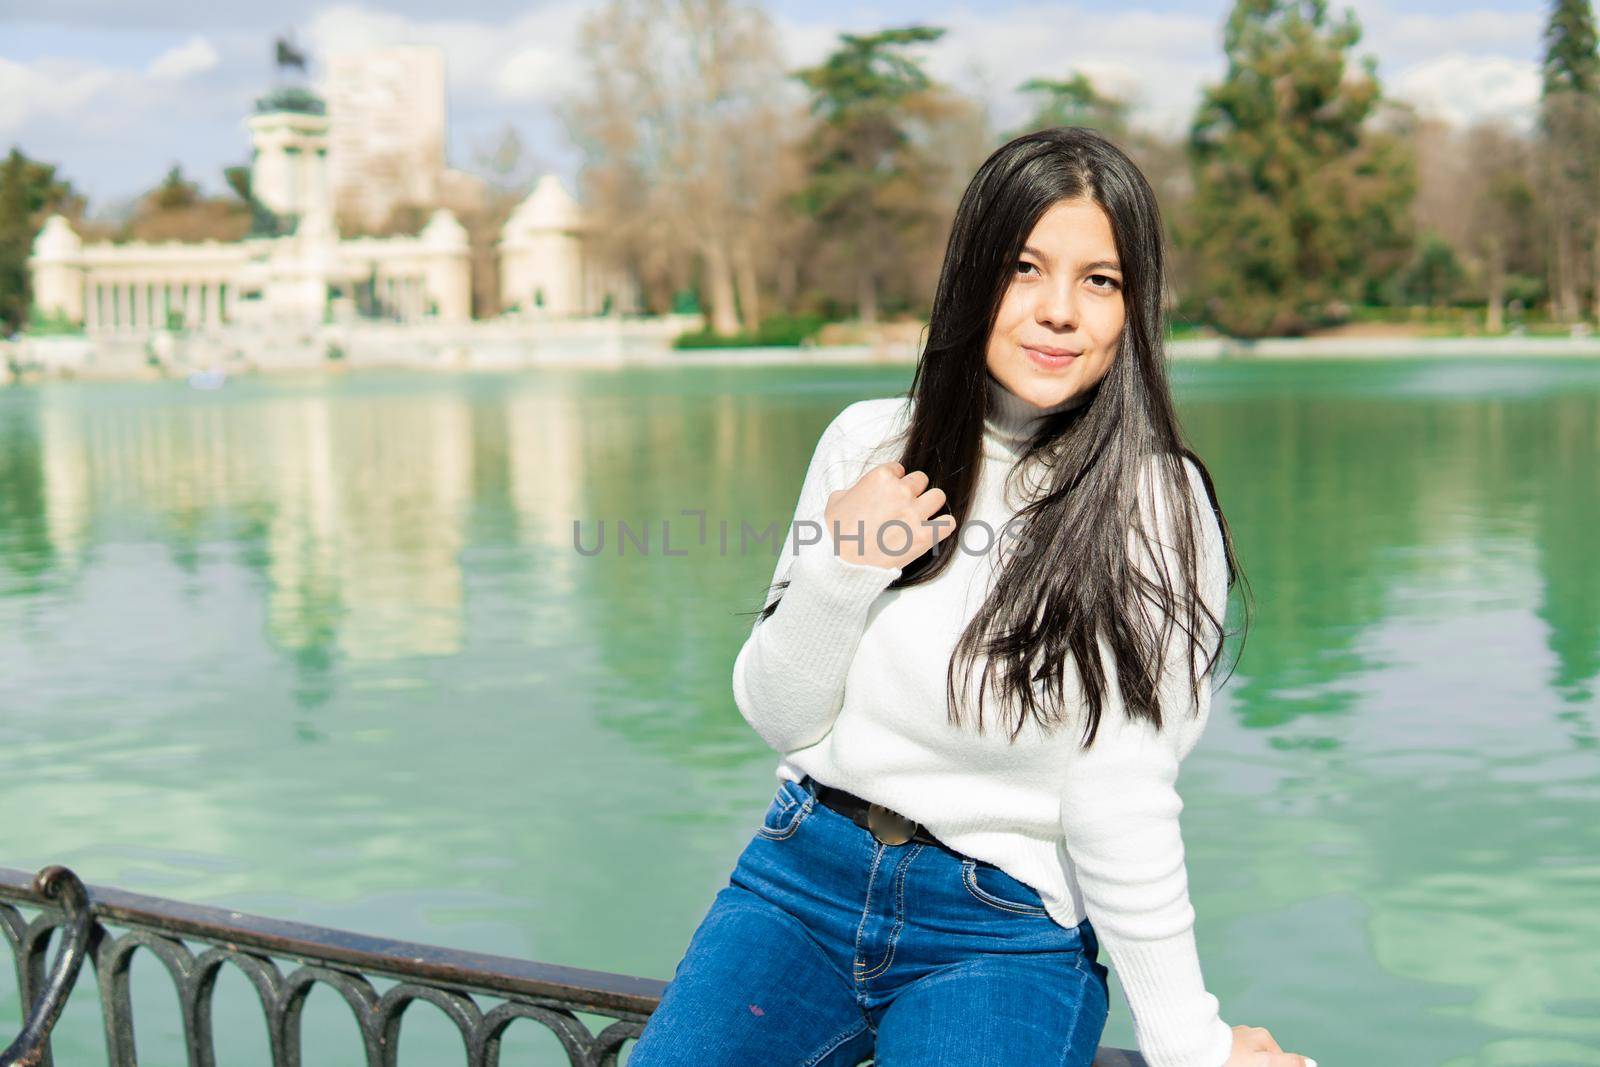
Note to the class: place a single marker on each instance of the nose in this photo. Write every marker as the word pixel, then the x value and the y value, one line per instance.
pixel 1058 306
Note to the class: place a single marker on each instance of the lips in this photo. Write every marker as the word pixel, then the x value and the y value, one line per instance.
pixel 1046 359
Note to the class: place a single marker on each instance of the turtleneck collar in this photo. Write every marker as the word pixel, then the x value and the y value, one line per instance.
pixel 1011 421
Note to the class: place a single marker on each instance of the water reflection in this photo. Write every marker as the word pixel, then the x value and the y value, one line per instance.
pixel 326 644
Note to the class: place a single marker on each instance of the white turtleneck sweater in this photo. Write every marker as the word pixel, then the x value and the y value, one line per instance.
pixel 846 679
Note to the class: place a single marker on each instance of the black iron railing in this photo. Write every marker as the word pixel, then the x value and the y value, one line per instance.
pixel 481 994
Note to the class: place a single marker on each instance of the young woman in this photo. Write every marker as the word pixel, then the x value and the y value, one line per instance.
pixel 1024 535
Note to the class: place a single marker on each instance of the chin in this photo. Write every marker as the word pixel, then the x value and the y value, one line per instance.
pixel 1045 390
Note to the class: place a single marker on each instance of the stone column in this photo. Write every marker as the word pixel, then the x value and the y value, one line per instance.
pixel 207 315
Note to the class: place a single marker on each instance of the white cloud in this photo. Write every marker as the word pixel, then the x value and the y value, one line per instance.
pixel 527 59
pixel 47 89
pixel 1403 40
pixel 111 126
pixel 1461 66
pixel 1462 88
pixel 194 56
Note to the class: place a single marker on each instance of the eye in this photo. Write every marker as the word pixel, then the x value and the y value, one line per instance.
pixel 1113 287
pixel 1024 265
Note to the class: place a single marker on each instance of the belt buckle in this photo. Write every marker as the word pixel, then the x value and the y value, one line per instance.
pixel 889 827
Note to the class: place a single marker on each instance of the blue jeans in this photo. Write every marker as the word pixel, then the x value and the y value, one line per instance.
pixel 827 948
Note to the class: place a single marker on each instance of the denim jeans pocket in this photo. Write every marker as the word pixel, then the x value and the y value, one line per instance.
pixel 789 808
pixel 994 887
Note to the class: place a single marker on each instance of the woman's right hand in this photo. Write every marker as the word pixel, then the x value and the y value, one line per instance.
pixel 892 512
pixel 1254 1047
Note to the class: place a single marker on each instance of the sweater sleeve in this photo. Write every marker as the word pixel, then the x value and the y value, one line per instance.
pixel 788 679
pixel 1119 814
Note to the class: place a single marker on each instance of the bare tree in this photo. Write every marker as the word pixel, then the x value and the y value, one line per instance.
pixel 1498 198
pixel 678 121
pixel 1475 191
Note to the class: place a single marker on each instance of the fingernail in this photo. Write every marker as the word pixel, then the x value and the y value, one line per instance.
pixel 1310 1062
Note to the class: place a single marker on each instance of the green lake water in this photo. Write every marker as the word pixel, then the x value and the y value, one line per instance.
pixel 322 649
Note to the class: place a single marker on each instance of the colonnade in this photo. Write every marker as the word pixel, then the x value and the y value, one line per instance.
pixel 403 297
pixel 136 305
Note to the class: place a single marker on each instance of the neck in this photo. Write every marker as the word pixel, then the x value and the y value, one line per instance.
pixel 1011 421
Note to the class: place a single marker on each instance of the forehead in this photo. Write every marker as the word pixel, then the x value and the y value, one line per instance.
pixel 1077 229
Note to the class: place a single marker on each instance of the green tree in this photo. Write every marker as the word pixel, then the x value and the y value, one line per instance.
pixel 1569 126
pixel 1571 49
pixel 1433 276
pixel 176 210
pixel 174 192
pixel 238 179
pixel 873 188
pixel 1075 102
pixel 29 190
pixel 1300 202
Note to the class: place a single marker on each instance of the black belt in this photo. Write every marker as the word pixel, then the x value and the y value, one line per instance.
pixel 888 826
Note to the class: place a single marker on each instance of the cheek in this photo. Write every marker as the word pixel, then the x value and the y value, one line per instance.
pixel 1115 318
pixel 1110 327
pixel 1011 311
pixel 1110 336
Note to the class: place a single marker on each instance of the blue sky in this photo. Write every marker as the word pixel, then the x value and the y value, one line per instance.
pixel 115 92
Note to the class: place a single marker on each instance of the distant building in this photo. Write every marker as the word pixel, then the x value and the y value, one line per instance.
pixel 386 113
pixel 289 155
pixel 294 270
pixel 547 262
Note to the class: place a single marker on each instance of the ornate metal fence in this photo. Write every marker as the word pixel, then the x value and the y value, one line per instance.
pixel 481 994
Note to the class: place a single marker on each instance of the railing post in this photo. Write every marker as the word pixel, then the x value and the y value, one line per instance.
pixel 32 1046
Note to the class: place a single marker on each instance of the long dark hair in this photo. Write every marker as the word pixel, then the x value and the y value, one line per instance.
pixel 1097 453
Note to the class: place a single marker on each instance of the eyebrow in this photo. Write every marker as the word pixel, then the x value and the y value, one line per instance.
pixel 1108 264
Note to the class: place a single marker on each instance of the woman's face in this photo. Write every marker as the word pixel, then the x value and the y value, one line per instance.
pixel 1059 322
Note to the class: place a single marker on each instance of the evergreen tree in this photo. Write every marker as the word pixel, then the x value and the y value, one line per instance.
pixel 29 190
pixel 1075 102
pixel 1434 275
pixel 1300 204
pixel 1571 49
pixel 176 210
pixel 1569 125
pixel 873 188
pixel 174 192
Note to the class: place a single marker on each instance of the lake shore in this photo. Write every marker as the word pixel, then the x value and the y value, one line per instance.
pixel 456 350
pixel 1209 348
